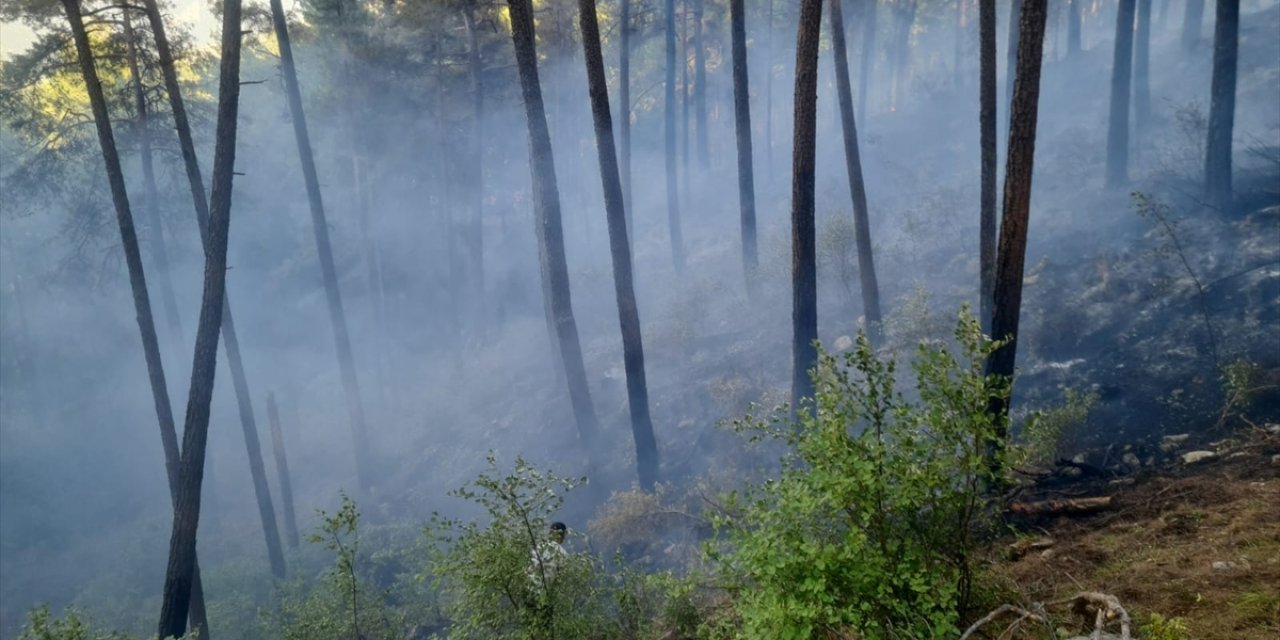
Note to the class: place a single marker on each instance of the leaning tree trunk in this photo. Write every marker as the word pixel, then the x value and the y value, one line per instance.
pixel 1222 105
pixel 324 250
pixel 1192 23
pixel 742 124
pixel 546 212
pixel 231 342
pixel 1011 53
pixel 669 140
pixel 282 470
pixel 857 188
pixel 624 115
pixel 1118 122
pixel 1073 28
pixel 142 132
pixel 1016 209
pixel 804 297
pixel 186 517
pixel 138 284
pixel 868 58
pixel 987 127
pixel 628 314
pixel 1141 68
pixel 700 87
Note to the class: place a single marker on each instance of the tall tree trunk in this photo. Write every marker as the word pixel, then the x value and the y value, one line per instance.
pixel 186 517
pixel 987 127
pixel 686 98
pixel 624 117
pixel 1073 27
pixel 1192 23
pixel 857 188
pixel 958 56
pixel 619 248
pixel 231 342
pixel 1011 53
pixel 868 59
pixel 905 15
pixel 475 229
pixel 1222 105
pixel 804 296
pixel 1016 207
pixel 700 86
pixel 142 132
pixel 669 140
pixel 546 212
pixel 742 124
pixel 282 470
pixel 324 250
pixel 768 93
pixel 138 284
pixel 1121 78
pixel 1142 67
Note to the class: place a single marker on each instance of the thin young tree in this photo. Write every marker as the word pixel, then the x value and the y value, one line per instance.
pixel 624 113
pixel 1016 208
pixel 138 285
pixel 669 138
pixel 324 249
pixel 230 340
pixel 1222 105
pixel 546 213
pixel 619 248
pixel 742 125
pixel 1121 79
pixel 804 281
pixel 987 130
pixel 700 86
pixel 853 164
pixel 282 471
pixel 186 517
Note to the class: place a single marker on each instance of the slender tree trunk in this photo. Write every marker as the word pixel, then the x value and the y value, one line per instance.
pixel 142 132
pixel 742 123
pixel 1142 66
pixel 768 94
pixel 628 314
pixel 182 543
pixel 1017 205
pixel 282 470
pixel 987 127
pixel 804 298
pixel 669 140
pixel 857 188
pixel 1011 53
pixel 1222 105
pixel 475 232
pixel 138 284
pixel 1192 23
pixel 346 362
pixel 1073 28
pixel 624 113
pixel 1121 80
pixel 686 98
pixel 546 211
pixel 868 59
pixel 700 86
pixel 958 55
pixel 901 69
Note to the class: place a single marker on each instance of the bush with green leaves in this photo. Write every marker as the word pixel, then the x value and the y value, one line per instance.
pixel 869 527
pixel 43 625
pixel 1047 432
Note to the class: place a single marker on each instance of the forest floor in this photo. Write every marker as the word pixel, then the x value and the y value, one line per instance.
pixel 1198 541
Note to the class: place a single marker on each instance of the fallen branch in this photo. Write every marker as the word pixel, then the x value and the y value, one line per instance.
pixel 1023 614
pixel 1103 607
pixel 1066 506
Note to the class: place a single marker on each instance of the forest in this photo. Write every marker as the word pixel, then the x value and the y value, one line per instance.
pixel 640 319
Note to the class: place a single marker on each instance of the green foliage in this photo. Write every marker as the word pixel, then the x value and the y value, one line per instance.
pixel 1159 627
pixel 42 625
pixel 498 580
pixel 1239 386
pixel 869 528
pixel 1259 607
pixel 1046 431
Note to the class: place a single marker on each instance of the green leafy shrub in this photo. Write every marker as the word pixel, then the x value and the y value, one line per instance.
pixel 1046 432
pixel 869 527
pixel 1158 627
pixel 42 625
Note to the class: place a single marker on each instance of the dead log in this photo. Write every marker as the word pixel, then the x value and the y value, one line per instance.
pixel 1061 507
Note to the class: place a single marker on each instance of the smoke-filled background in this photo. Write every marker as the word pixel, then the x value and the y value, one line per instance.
pixel 438 265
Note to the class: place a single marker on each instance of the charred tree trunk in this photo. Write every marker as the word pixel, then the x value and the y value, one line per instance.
pixel 546 211
pixel 1073 28
pixel 1121 80
pixel 1192 23
pixel 742 124
pixel 1011 53
pixel 282 470
pixel 624 117
pixel 868 59
pixel 138 284
pixel 1142 68
pixel 1016 208
pixel 857 188
pixel 700 87
pixel 987 127
pixel 1222 106
pixel 619 248
pixel 346 362
pixel 669 140
pixel 804 297
pixel 186 517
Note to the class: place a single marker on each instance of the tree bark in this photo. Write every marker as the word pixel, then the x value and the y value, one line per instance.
pixel 619 248
pixel 700 87
pixel 1192 24
pixel 669 140
pixel 987 126
pixel 1222 105
pixel 857 188
pixel 1011 53
pixel 138 284
pixel 1121 80
pixel 186 517
pixel 742 124
pixel 624 113
pixel 868 59
pixel 1142 68
pixel 1073 28
pixel 804 299
pixel 282 471
pixel 324 250
pixel 1016 208
pixel 546 211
